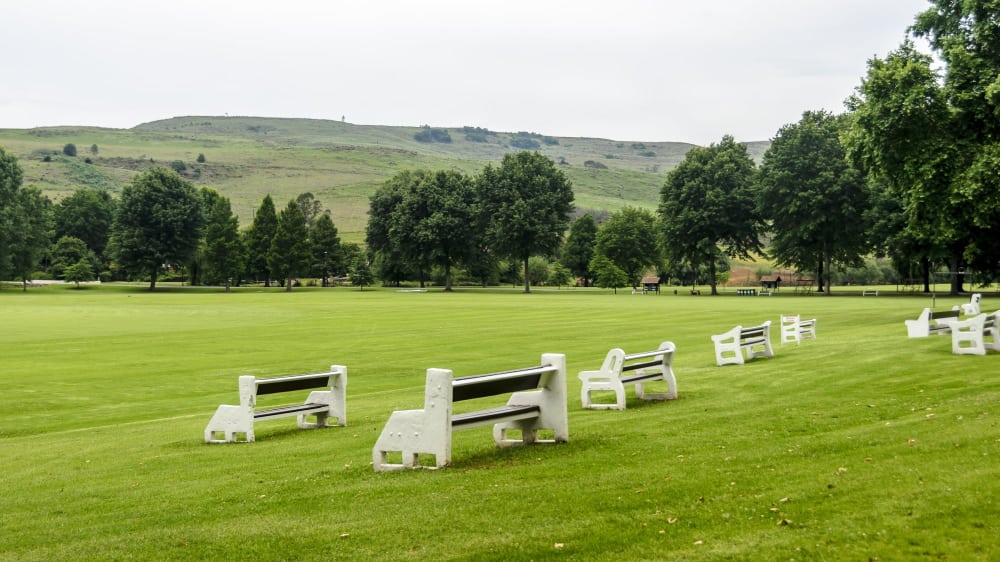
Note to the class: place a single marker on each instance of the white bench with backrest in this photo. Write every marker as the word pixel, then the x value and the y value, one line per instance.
pixel 971 308
pixel 537 402
pixel 752 341
pixel 794 329
pixel 636 369
pixel 230 421
pixel 931 322
pixel 973 336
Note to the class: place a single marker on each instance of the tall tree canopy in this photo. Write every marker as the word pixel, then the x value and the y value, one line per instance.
pixel 579 248
pixel 324 243
pixel 629 240
pixel 288 256
pixel 157 224
pixel 11 177
pixel 708 207
pixel 525 206
pixel 258 240
pixel 223 255
pixel 86 214
pixel 813 200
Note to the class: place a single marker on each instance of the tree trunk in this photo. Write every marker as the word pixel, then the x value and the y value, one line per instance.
pixel 819 276
pixel 711 275
pixel 829 260
pixel 447 277
pixel 152 281
pixel 925 265
pixel 527 283
pixel 955 265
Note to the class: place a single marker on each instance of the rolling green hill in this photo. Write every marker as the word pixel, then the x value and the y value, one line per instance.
pixel 340 163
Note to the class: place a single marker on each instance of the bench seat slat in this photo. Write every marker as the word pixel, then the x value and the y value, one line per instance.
pixel 491 415
pixel 293 409
pixel 642 377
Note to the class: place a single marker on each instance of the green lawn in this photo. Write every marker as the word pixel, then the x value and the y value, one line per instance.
pixel 859 445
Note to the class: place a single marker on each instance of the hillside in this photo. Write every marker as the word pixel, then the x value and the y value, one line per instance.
pixel 340 163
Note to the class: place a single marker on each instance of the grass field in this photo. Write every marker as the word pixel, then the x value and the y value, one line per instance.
pixel 859 445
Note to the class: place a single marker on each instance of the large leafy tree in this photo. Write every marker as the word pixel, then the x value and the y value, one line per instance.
pixel 708 208
pixel 157 224
pixel 68 251
pixel 579 247
pixel 10 184
pixel 813 200
pixel 223 251
pixel 903 136
pixel 629 240
pixel 389 257
pixel 434 221
pixel 289 253
pixel 525 206
pixel 86 214
pixel 31 230
pixel 258 240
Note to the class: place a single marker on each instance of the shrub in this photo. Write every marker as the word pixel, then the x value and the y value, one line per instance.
pixel 201 158
pixel 595 164
pixel 524 142
pixel 427 134
pixel 69 149
pixel 648 154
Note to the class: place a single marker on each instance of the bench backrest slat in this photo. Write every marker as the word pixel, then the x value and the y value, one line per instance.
pixel 944 314
pixel 290 383
pixel 752 332
pixel 636 366
pixel 492 384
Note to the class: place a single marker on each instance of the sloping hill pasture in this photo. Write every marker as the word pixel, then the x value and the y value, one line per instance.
pixel 340 163
pixel 859 445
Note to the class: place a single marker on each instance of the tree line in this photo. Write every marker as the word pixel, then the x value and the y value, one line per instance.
pixel 909 172
pixel 162 225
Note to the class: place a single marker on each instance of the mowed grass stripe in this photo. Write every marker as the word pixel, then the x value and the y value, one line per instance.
pixel 859 444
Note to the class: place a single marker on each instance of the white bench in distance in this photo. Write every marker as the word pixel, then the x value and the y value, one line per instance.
pixel 971 308
pixel 973 336
pixel 931 322
pixel 229 421
pixel 754 341
pixel 794 329
pixel 613 375
pixel 537 402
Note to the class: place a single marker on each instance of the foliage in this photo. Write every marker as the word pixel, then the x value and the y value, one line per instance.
pixel 30 230
pixel 525 206
pixel 69 149
pixel 607 274
pixel 579 247
pixel 538 270
pixel 595 165
pixel 629 239
pixel 327 255
pixel 288 256
pixel 707 207
pixel 10 184
pixel 79 272
pixel 311 207
pixel 812 198
pixel 201 158
pixel 157 223
pixel 94 150
pixel 427 134
pixel 361 273
pixel 178 166
pixel 223 246
pixel 258 241
pixel 559 275
pixel 525 143
pixel 68 251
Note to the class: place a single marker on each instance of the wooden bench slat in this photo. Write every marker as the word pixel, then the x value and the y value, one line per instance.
pixel 295 382
pixel 281 411
pixel 491 415
pixel 480 386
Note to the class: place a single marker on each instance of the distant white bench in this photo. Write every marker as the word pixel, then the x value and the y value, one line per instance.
pixel 931 322
pixel 794 329
pixel 647 366
pixel 537 402
pixel 751 292
pixel 975 335
pixel 869 293
pixel 753 341
pixel 971 308
pixel 229 422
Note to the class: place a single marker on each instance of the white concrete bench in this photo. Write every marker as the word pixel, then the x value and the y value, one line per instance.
pixel 647 366
pixel 537 402
pixel 794 329
pixel 754 341
pixel 751 292
pixel 931 322
pixel 869 293
pixel 975 335
pixel 229 422
pixel 971 308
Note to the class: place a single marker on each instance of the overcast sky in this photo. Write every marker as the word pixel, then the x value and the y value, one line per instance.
pixel 638 70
